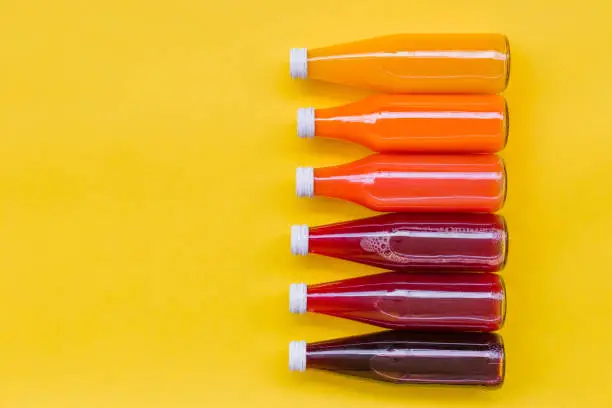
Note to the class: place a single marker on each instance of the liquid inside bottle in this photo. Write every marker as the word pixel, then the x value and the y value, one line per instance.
pixel 446 242
pixel 404 357
pixel 415 301
pixel 411 63
pixel 414 123
pixel 412 183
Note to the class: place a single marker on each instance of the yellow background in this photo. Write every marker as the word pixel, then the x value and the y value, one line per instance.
pixel 147 159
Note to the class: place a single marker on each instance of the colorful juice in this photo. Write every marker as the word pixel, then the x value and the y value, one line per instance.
pixel 417 183
pixel 404 357
pixel 447 242
pixel 414 123
pixel 412 63
pixel 415 301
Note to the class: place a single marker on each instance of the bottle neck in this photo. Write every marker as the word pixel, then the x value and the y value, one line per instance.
pixel 349 122
pixel 329 182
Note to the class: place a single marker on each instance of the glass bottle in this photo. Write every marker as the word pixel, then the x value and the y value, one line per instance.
pixel 414 123
pixel 412 183
pixel 415 301
pixel 405 357
pixel 411 63
pixel 446 242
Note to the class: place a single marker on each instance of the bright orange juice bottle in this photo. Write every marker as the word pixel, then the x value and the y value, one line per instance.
pixel 386 182
pixel 412 63
pixel 414 123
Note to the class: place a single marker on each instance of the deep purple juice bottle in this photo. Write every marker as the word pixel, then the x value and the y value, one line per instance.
pixel 405 357
pixel 415 301
pixel 411 242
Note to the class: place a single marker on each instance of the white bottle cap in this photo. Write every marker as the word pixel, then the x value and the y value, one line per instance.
pixel 298 298
pixel 297 356
pixel 298 63
pixel 299 239
pixel 304 181
pixel 306 122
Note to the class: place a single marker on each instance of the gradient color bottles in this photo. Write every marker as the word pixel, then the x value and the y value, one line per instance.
pixel 405 357
pixel 419 183
pixel 411 63
pixel 411 241
pixel 415 301
pixel 414 123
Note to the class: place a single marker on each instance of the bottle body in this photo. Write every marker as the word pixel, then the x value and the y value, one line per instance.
pixel 418 183
pixel 416 123
pixel 404 357
pixel 412 241
pixel 413 63
pixel 410 301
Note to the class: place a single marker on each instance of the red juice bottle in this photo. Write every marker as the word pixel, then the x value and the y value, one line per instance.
pixel 411 241
pixel 417 301
pixel 404 357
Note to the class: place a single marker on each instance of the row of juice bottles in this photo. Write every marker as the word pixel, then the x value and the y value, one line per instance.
pixel 435 134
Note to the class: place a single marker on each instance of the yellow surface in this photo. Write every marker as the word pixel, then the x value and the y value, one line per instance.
pixel 146 169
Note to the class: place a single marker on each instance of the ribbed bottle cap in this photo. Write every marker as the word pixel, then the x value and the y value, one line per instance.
pixel 298 298
pixel 306 122
pixel 304 181
pixel 297 356
pixel 298 62
pixel 299 239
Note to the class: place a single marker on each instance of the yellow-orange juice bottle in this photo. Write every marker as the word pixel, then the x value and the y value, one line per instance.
pixel 411 63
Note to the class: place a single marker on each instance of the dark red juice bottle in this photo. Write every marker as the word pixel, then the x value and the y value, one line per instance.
pixel 405 357
pixel 415 301
pixel 411 242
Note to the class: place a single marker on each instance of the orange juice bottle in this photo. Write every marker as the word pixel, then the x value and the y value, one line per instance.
pixel 411 63
pixel 414 123
pixel 425 183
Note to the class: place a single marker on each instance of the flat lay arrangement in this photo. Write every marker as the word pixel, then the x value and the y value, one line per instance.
pixel 435 134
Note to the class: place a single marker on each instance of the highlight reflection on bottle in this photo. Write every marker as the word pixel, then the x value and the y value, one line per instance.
pixel 405 357
pixel 414 123
pixel 411 63
pixel 412 183
pixel 415 301
pixel 447 242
